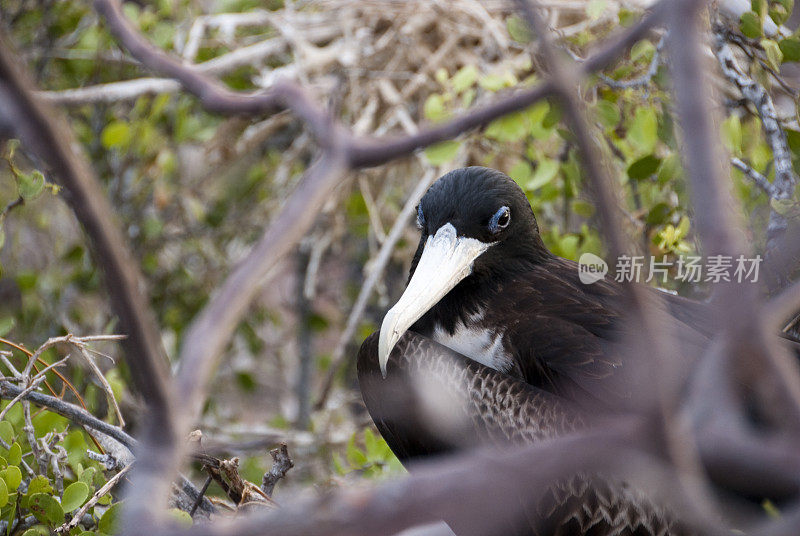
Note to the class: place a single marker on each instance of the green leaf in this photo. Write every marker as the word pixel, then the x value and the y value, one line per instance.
pixel 442 152
pixel 3 493
pixel 659 214
pixel 750 24
pixel 87 476
pixel 545 172
pixel 38 530
pixel 6 324
pixel 643 49
pixel 670 168
pixel 595 8
pixel 732 134
pixel 779 10
pixel 183 518
pixel 643 132
pixel 6 431
pixel 683 227
pixel 793 139
pixel 46 508
pixel 108 522
pixel 521 172
pixel 608 113
pixel 355 457
pixel 434 108
pixel 12 477
pixel 582 208
pixel 493 82
pixel 38 484
pixel 116 134
pixel 644 167
pixel 518 30
pixel 74 496
pixel 30 185
pixel 15 454
pixel 465 78
pixel 790 48
pixel 509 128
pixel 774 54
pixel 373 445
pixel 11 147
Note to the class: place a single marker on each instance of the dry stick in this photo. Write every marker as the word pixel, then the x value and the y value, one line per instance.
pixel 113 92
pixel 506 480
pixel 108 486
pixel 602 189
pixel 102 379
pixel 375 273
pixel 46 383
pixel 214 95
pixel 281 463
pixel 719 230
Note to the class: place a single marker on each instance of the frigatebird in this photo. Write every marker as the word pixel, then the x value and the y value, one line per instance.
pixel 496 339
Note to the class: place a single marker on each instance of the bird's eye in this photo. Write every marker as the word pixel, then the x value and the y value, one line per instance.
pixel 420 217
pixel 500 220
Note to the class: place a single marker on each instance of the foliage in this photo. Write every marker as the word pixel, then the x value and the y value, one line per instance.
pixel 42 500
pixel 373 460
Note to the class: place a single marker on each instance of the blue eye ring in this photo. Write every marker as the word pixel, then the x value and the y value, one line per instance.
pixel 420 217
pixel 500 220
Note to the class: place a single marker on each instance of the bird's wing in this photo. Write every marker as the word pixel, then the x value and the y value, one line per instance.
pixel 568 336
pixel 434 400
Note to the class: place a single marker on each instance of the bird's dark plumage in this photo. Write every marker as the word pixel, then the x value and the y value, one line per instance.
pixel 510 347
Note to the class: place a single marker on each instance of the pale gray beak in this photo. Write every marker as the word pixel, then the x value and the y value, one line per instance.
pixel 446 260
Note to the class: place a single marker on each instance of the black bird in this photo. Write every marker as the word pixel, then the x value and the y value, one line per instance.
pixel 496 339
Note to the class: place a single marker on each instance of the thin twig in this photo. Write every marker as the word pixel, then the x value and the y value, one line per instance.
pixel 643 80
pixel 281 463
pixel 376 268
pixel 758 179
pixel 108 486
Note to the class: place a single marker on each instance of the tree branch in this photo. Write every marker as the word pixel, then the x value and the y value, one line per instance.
pixel 785 178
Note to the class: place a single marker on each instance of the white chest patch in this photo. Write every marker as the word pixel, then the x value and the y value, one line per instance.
pixel 481 345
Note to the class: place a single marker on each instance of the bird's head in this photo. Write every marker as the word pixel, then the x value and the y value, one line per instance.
pixel 474 221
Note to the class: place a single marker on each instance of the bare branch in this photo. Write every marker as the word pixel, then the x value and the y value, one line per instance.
pixel 758 179
pixel 785 178
pixel 643 80
pixel 281 463
pixel 70 411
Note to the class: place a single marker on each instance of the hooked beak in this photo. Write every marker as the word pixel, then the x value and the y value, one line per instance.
pixel 446 260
